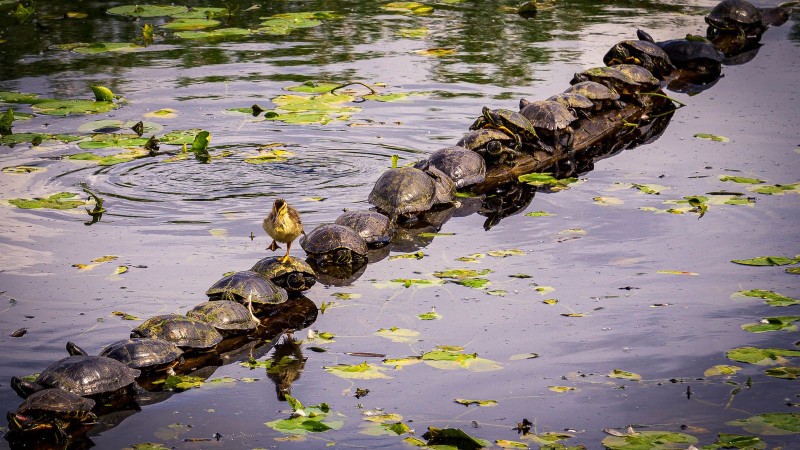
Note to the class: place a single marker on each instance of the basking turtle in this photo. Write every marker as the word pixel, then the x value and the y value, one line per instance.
pixel 332 244
pixel 627 79
pixel 694 53
pixel 551 119
pixel 52 409
pixel 376 229
pixel 151 355
pixel 490 143
pixel 294 275
pixel 463 166
pixel 511 122
pixel 739 16
pixel 579 104
pixel 601 95
pixel 405 190
pixel 184 332
pixel 641 53
pixel 87 376
pixel 248 288
pixel 228 317
pixel 445 187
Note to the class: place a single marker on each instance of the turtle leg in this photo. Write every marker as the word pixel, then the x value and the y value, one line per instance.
pixel 274 246
pixel 285 259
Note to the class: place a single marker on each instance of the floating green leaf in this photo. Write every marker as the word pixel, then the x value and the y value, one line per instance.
pixel 467 402
pixel 777 189
pixel 767 261
pixel 182 382
pixel 721 370
pixel 109 160
pixel 363 371
pixel 600 200
pixel 545 179
pixel 785 372
pixel 561 389
pixel 475 283
pixel 67 107
pixel 285 23
pixel 166 113
pixel 761 356
pixel 188 24
pixel 61 200
pixel 453 437
pixel 652 189
pixel 395 334
pixel 148 446
pixel 415 255
pixel 313 87
pixel 770 423
pixel 772 324
pixel 625 375
pixel 146 10
pixel 521 356
pixel 497 292
pixel 451 358
pixel 430 315
pixel 314 419
pixel 471 258
pixel 649 440
pixel 506 253
pixel 22 169
pixel 711 137
pixel 214 34
pixel 725 440
pixel 95 48
pixel 408 282
pixel 539 214
pixel 743 180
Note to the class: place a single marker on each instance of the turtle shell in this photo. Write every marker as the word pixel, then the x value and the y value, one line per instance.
pixel 477 139
pixel 547 114
pixel 376 229
pixel 40 409
pixel 445 186
pixel 87 375
pixel 184 332
pixel 402 191
pixel 334 244
pixel 593 91
pixel 649 55
pixel 295 275
pixel 512 120
pixel 734 14
pixel 689 53
pixel 463 166
pixel 573 100
pixel 144 354
pixel 228 317
pixel 625 78
pixel 245 286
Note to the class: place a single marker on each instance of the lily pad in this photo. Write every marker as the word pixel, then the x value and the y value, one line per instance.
pixel 545 179
pixel 506 253
pixel 399 363
pixel 96 48
pixel 561 389
pixel 220 33
pixel 539 214
pixel 452 358
pixel 413 33
pixel 460 274
pixel 165 113
pixel 22 169
pixel 767 261
pixel 651 189
pixel 430 315
pixel 772 324
pixel 726 440
pixel 625 375
pixel 454 438
pixel 187 24
pixel 467 402
pixel 785 372
pixel 761 356
pixel 61 200
pixel 770 423
pixel 182 382
pixel 721 370
pixel 649 440
pixel 67 107
pixel 711 137
pixel 395 334
pixel 363 371
pixel 777 189
pixel 308 419
pixel 313 87
pixel 742 180
pixel 99 141
pixel 146 10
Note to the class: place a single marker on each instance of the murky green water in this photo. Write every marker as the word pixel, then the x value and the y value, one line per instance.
pixel 636 290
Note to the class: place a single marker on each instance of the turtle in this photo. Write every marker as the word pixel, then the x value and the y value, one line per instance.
pixel 228 317
pixel 640 52
pixel 248 288
pixel 601 95
pixel 87 376
pixel 551 119
pixel 738 16
pixel 511 122
pixel 445 187
pixel 627 79
pixel 52 409
pixel 491 144
pixel 403 191
pixel 185 332
pixel 463 166
pixel 146 355
pixel 294 275
pixel 331 244
pixel 580 104
pixel 693 53
pixel 376 229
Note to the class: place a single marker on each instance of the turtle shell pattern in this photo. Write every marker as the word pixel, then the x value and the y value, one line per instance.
pixel 732 14
pixel 245 286
pixel 463 166
pixel 547 114
pixel 227 316
pixel 143 353
pixel 477 139
pixel 628 77
pixel 46 405
pixel 402 191
pixel 445 186
pixel 593 91
pixel 325 240
pixel 685 52
pixel 185 332
pixel 376 229
pixel 295 275
pixel 87 375
pixel 573 100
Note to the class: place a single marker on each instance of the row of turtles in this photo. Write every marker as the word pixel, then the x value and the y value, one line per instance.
pixel 63 396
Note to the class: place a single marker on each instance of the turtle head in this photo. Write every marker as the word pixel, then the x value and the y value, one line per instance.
pixel 74 350
pixel 24 388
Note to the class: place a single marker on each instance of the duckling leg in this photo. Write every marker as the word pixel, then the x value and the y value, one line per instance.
pixel 285 259
pixel 274 246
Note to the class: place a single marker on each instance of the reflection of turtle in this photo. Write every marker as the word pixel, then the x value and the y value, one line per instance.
pixel 338 275
pixel 464 166
pixel 511 200
pixel 184 332
pixel 228 317
pixel 376 229
pixel 335 244
pixel 287 366
pixel 294 275
pixel 405 190
pixel 642 53
pixel 147 355
pixel 88 376
pixel 248 288
pixel 52 409
pixel 737 16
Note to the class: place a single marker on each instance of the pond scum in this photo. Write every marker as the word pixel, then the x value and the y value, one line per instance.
pixel 518 148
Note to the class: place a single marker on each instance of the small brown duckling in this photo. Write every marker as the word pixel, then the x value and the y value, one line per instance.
pixel 283 225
